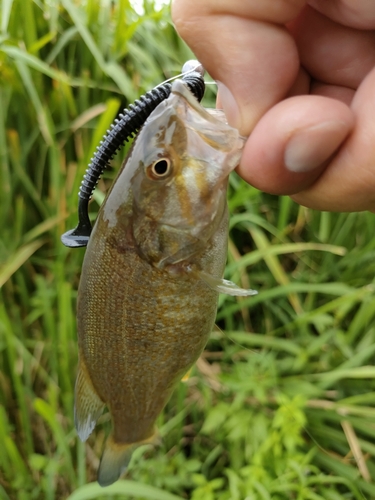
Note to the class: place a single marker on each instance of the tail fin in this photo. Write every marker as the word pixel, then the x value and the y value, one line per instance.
pixel 116 458
pixel 114 461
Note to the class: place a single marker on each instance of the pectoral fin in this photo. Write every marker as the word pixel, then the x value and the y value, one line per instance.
pixel 87 405
pixel 224 286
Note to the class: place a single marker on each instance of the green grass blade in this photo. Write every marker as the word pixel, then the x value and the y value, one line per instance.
pixel 17 259
pixel 45 123
pixel 6 9
pixel 34 62
pixel 129 488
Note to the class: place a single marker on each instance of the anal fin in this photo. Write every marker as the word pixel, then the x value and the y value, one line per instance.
pixel 87 404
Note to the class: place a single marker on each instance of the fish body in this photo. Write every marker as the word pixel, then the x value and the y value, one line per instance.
pixel 152 273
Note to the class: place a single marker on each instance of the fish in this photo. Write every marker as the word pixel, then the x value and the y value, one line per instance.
pixel 152 273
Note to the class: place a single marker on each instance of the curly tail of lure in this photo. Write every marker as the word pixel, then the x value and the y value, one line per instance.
pixel 124 128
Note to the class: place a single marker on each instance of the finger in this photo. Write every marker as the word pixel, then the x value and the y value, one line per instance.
pixel 332 53
pixel 359 14
pixel 348 183
pixel 244 46
pixel 271 11
pixel 343 94
pixel 301 85
pixel 291 144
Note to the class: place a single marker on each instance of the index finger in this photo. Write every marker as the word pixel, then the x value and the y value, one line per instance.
pixel 246 48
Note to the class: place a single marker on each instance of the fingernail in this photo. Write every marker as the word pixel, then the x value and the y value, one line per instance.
pixel 229 105
pixel 307 149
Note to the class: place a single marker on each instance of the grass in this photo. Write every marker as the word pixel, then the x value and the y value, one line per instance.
pixel 282 403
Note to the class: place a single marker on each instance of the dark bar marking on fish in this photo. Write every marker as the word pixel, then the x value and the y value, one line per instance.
pixel 124 128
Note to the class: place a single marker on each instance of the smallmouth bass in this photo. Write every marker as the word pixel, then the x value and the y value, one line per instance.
pixel 152 273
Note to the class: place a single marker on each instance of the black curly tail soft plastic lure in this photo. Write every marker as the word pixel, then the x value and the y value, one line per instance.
pixel 124 128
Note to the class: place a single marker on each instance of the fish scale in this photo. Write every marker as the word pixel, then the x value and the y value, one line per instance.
pixel 170 336
pixel 152 273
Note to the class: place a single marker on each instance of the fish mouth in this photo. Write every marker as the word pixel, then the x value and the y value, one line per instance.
pixel 179 88
pixel 224 142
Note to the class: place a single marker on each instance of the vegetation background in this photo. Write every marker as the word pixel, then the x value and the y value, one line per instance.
pixel 282 403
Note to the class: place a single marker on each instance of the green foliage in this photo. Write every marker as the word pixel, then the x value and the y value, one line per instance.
pixel 282 404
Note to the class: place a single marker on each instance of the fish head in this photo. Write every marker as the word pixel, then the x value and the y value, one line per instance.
pixel 181 162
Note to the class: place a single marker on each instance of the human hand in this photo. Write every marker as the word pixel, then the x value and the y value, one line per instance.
pixel 298 77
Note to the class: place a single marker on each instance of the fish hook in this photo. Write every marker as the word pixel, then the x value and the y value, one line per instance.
pixel 124 128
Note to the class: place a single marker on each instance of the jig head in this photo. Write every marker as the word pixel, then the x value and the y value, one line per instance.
pixel 124 128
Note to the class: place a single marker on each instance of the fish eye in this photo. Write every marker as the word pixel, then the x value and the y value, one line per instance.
pixel 160 168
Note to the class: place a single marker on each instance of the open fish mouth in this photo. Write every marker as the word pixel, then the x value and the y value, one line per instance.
pixel 212 127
